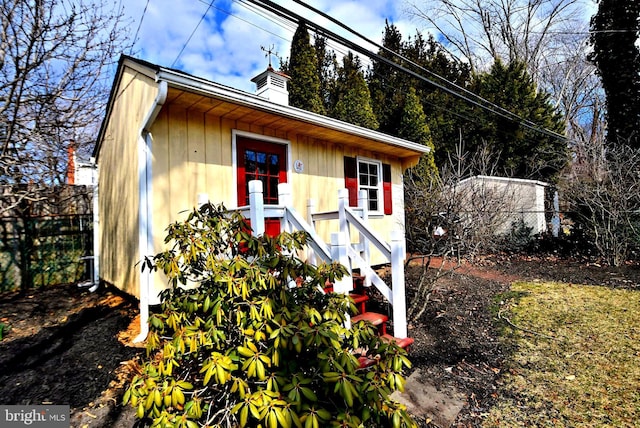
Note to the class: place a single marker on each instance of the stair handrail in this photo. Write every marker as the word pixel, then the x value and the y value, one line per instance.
pixel 319 247
pixel 375 239
pixel 396 255
pixel 393 252
pixel 371 274
pixel 291 218
pixel 341 249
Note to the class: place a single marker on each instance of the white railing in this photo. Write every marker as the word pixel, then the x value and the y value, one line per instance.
pixel 351 255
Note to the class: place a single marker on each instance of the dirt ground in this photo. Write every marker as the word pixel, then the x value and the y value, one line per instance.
pixel 66 345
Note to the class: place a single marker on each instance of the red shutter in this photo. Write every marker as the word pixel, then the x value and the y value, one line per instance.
pixel 351 180
pixel 386 188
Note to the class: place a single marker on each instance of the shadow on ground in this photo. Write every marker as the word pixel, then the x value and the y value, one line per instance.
pixel 66 345
pixel 62 347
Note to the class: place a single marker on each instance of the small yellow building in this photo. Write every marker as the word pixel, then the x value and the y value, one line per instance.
pixel 171 140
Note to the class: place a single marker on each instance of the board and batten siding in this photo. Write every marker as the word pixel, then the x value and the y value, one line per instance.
pixel 193 155
pixel 119 194
pixel 323 176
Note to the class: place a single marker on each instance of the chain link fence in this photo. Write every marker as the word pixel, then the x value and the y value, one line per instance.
pixel 484 232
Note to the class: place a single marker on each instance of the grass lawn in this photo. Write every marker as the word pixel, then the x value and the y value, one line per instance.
pixel 575 357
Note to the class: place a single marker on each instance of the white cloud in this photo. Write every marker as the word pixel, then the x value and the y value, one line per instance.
pixel 226 47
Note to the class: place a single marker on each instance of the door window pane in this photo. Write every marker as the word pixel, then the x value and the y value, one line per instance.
pixel 274 165
pixel 250 161
pixel 262 163
pixel 272 196
pixel 266 167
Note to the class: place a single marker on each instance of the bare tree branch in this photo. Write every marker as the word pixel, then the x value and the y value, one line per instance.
pixel 549 36
pixel 56 58
pixel 481 31
pixel 604 192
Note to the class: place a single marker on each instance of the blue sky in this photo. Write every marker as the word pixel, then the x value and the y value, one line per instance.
pixel 226 46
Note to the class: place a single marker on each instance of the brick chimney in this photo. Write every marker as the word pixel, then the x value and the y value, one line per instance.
pixel 71 163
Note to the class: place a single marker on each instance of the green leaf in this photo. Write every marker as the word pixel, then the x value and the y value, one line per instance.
pixel 276 350
pixel 309 394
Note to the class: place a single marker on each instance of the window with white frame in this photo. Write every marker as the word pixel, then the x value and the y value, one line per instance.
pixel 370 179
pixel 374 177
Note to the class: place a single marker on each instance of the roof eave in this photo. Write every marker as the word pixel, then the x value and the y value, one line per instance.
pixel 205 87
pixel 140 66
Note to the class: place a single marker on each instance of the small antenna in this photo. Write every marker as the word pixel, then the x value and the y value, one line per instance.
pixel 270 51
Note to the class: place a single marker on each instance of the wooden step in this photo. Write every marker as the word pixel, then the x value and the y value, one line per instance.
pixel 365 361
pixel 360 300
pixel 358 282
pixel 403 343
pixel 369 360
pixel 374 318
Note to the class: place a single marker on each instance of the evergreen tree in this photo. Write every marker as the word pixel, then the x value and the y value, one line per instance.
pixel 615 33
pixel 304 86
pixel 353 100
pixel 522 152
pixel 389 87
pixel 327 70
pixel 452 121
pixel 447 115
pixel 414 127
pixel 387 84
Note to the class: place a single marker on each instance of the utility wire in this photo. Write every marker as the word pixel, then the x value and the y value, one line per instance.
pixel 477 100
pixel 501 111
pixel 135 38
pixel 283 23
pixel 336 46
pixel 290 24
pixel 192 33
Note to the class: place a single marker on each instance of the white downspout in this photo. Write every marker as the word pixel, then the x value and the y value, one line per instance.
pixel 146 206
pixel 95 280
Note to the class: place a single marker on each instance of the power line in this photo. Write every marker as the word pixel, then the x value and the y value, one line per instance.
pixel 283 18
pixel 608 31
pixel 135 38
pixel 252 8
pixel 285 23
pixel 576 33
pixel 501 111
pixel 192 33
pixel 337 46
pixel 257 11
pixel 477 100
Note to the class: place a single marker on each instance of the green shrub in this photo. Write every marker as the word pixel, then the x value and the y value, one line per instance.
pixel 247 338
pixel 3 329
pixel 518 238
